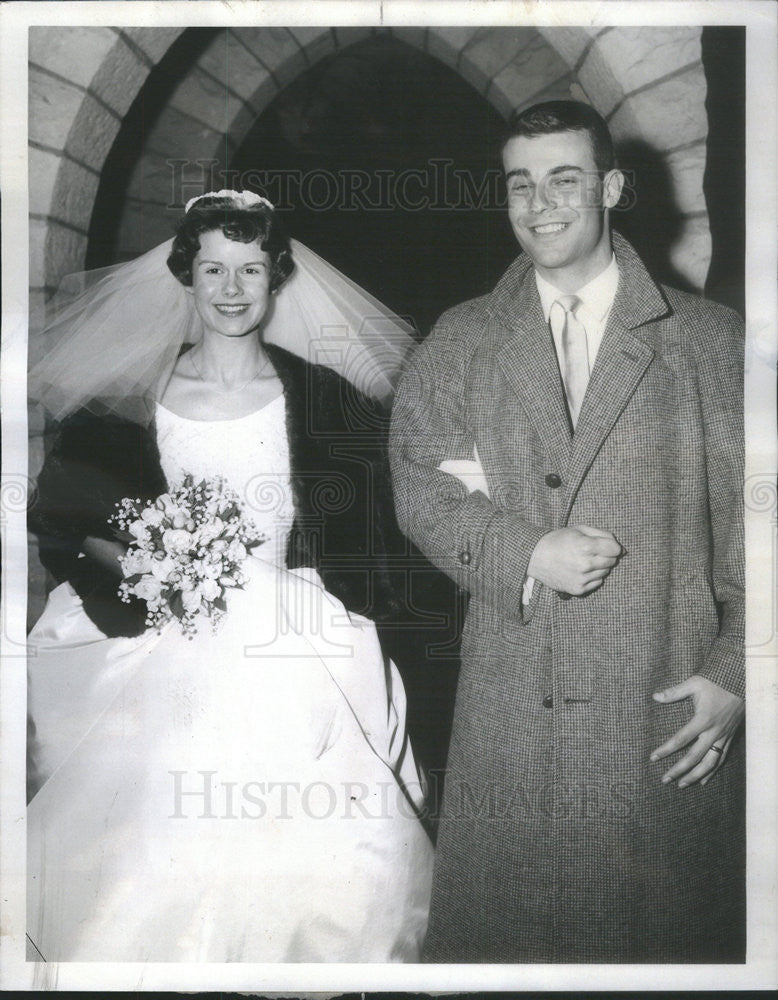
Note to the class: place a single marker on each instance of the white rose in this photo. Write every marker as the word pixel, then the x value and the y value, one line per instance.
pixel 152 516
pixel 163 568
pixel 208 568
pixel 237 551
pixel 168 505
pixel 191 599
pixel 136 561
pixel 139 530
pixel 177 540
pixel 210 530
pixel 210 589
pixel 148 588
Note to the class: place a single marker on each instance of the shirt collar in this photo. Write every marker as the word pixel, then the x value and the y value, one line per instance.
pixel 596 295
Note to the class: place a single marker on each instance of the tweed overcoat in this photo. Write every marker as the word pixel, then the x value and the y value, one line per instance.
pixel 558 841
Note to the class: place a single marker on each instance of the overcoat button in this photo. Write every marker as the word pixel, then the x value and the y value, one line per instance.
pixel 548 701
pixel 465 557
pixel 563 596
pixel 553 480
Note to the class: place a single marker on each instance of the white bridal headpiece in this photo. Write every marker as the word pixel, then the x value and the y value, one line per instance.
pixel 114 334
pixel 242 199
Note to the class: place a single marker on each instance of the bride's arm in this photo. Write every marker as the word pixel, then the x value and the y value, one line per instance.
pixel 105 553
pixel 92 463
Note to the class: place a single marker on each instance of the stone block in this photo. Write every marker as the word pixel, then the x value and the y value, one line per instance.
pixel 493 49
pixel 64 251
pixel 53 106
pixel 153 180
pixel 75 53
pixel 119 80
pixel 447 43
pixel 669 114
pixel 597 79
pixel 315 42
pixel 177 135
pixel 143 226
pixel 691 252
pixel 154 42
pixel 558 90
pixel 74 194
pixel 276 49
pixel 37 251
pixel 42 171
pixel 175 178
pixel 36 317
pixel 204 99
pixel 569 43
pixel 92 134
pixel 350 36
pixel 639 55
pixel 687 169
pixel 577 93
pixel 417 37
pixel 243 117
pixel 265 90
pixel 533 69
pixel 228 60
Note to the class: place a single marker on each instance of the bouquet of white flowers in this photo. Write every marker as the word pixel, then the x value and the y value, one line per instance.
pixel 186 549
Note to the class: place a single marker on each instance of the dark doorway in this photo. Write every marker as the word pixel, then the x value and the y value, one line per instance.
pixel 386 163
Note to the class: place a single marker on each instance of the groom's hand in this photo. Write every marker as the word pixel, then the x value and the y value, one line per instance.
pixel 717 717
pixel 574 560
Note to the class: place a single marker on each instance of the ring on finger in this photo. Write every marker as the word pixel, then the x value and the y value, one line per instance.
pixel 718 750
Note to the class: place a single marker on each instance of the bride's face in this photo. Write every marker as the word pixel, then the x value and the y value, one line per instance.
pixel 230 284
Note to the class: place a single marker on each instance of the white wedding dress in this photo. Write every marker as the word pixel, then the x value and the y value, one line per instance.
pixel 245 796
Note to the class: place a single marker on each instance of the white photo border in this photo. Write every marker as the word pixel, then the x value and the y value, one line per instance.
pixel 761 969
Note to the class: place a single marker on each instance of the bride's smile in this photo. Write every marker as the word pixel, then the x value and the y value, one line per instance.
pixel 230 284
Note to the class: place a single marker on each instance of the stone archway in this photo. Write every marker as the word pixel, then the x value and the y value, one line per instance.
pixel 83 80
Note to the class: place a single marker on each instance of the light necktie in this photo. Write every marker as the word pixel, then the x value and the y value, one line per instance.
pixel 574 354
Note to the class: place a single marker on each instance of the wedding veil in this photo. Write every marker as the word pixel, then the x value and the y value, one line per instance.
pixel 114 334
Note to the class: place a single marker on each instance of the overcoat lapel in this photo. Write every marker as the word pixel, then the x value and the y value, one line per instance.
pixel 620 366
pixel 624 356
pixel 529 361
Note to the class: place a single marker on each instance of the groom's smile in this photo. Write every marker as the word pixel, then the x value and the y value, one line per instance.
pixel 557 201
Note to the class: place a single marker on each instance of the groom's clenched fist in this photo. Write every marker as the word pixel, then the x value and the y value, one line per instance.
pixel 574 560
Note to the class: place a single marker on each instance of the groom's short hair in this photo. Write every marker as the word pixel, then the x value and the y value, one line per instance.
pixel 565 116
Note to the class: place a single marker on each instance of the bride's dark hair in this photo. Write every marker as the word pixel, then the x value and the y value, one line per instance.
pixel 244 224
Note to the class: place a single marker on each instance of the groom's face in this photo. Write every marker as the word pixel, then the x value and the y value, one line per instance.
pixel 557 201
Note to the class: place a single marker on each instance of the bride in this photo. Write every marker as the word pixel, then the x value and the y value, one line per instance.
pixel 248 794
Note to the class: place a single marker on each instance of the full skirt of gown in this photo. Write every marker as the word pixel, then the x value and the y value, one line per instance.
pixel 247 795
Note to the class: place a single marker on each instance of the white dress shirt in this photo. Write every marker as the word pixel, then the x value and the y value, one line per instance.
pixel 596 298
pixel 596 302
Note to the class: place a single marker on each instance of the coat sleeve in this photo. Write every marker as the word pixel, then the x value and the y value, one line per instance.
pixel 720 385
pixel 484 549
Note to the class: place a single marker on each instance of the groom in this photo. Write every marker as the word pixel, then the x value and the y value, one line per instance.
pixel 569 449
